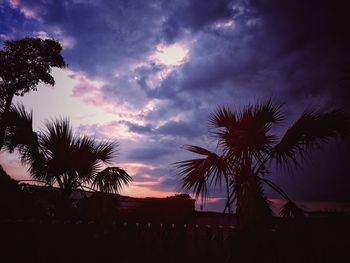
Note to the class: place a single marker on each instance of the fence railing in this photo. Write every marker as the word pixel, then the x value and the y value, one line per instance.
pixel 91 241
pixel 125 241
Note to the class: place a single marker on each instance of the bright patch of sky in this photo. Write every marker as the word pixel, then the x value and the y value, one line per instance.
pixel 59 101
pixel 228 24
pixel 171 55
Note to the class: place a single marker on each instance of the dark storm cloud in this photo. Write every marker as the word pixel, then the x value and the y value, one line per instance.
pixel 139 128
pixel 170 183
pixel 179 128
pixel 294 51
pixel 163 144
pixel 149 154
pixel 315 32
pixel 323 176
pixel 170 128
pixel 107 33
pixel 193 15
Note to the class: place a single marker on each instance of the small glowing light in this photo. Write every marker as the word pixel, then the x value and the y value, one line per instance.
pixel 172 55
pixel 225 24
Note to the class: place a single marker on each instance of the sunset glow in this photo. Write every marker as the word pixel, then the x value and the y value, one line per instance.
pixel 148 77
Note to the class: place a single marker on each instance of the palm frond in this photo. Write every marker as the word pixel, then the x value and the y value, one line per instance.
pixel 111 180
pixel 308 132
pixel 267 112
pixel 216 167
pixel 193 176
pixel 58 138
pixel 105 151
pixel 198 150
pixel 199 174
pixel 20 136
pixel 57 145
pixel 19 131
pixel 248 129
pixel 274 187
pixel 222 117
pixel 84 159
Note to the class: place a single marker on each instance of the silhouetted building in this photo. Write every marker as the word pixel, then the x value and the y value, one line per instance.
pixel 98 206
pixel 101 206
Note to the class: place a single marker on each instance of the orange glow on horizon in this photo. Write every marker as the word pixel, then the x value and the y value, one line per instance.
pixel 141 191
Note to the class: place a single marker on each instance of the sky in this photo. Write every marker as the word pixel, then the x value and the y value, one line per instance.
pixel 149 73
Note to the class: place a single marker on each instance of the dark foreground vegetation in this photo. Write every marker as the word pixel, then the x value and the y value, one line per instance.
pixel 171 231
pixel 312 240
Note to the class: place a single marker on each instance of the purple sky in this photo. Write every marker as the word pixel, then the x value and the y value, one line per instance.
pixel 148 74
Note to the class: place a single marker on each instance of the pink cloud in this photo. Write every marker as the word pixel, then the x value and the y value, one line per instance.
pixel 13 166
pixel 13 3
pixel 110 130
pixel 25 10
pixel 88 90
pixel 144 188
pixel 96 101
pixel 82 89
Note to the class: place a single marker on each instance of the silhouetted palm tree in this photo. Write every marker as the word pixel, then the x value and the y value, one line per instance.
pixel 247 144
pixel 58 156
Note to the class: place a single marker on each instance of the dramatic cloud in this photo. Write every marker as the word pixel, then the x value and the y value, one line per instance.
pixel 149 154
pixel 149 73
pixel 170 128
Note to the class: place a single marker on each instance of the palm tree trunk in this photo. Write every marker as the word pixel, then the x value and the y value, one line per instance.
pixel 231 199
pixel 4 117
pixel 59 181
pixel 238 187
pixel 228 197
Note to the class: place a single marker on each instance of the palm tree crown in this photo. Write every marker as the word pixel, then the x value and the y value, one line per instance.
pixel 58 156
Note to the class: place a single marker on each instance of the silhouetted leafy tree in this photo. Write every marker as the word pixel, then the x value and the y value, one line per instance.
pixel 23 64
pixel 7 184
pixel 16 203
pixel 248 145
pixel 290 210
pixel 58 156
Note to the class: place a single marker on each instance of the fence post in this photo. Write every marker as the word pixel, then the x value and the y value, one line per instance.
pixel 196 239
pixel 220 240
pixel 208 239
pixel 184 242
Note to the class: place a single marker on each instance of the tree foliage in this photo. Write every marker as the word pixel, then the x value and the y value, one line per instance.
pixel 23 64
pixel 26 62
